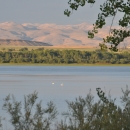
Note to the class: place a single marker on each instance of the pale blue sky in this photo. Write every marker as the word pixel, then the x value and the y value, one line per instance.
pixel 45 11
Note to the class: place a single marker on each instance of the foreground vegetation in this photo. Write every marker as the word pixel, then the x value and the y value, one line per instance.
pixel 82 114
pixel 50 56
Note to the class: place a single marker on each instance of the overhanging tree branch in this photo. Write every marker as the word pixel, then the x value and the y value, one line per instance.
pixel 108 8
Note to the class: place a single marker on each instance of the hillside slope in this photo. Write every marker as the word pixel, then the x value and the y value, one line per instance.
pixel 56 35
pixel 10 42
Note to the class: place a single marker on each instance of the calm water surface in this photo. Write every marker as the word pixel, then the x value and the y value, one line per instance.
pixel 60 83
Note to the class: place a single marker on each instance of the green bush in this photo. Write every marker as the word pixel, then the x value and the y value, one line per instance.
pixel 30 116
pixel 23 49
pixel 83 113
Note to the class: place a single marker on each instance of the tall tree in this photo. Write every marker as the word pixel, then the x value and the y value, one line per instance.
pixel 108 8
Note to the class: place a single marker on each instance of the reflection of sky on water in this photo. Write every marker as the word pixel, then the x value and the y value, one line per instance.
pixel 23 80
pixel 67 70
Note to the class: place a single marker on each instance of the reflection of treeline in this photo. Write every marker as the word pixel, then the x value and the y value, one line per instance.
pixel 82 114
pixel 42 55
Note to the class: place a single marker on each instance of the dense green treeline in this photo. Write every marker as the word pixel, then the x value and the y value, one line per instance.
pixel 50 56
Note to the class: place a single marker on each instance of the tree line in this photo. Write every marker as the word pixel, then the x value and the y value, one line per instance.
pixel 50 56
pixel 82 114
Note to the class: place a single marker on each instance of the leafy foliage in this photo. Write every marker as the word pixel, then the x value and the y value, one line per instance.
pixel 32 116
pixel 109 8
pixel 23 49
pixel 85 114
pixel 47 56
pixel 0 123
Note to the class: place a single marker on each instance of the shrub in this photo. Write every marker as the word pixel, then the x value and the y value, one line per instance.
pixel 82 114
pixel 32 116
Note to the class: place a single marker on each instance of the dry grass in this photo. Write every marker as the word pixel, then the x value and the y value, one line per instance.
pixel 81 48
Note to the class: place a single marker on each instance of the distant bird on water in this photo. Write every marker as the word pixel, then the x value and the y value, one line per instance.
pixel 61 84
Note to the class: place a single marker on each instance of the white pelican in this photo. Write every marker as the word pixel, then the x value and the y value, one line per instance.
pixel 61 84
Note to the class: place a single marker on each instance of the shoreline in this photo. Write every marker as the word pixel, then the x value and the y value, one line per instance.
pixel 39 64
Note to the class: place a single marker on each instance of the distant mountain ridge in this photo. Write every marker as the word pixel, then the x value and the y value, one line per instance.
pixel 56 35
pixel 12 42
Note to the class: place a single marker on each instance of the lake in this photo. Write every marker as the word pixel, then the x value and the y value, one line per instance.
pixel 60 83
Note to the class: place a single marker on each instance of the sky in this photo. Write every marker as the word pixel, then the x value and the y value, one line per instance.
pixel 45 11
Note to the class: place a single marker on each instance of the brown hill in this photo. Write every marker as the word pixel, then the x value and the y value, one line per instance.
pixel 56 35
pixel 10 42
